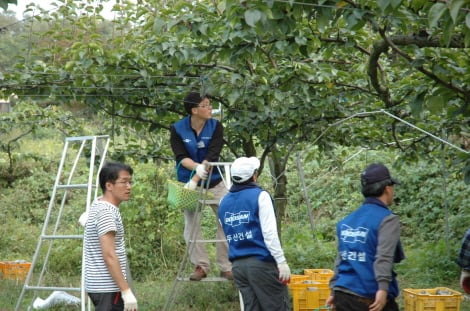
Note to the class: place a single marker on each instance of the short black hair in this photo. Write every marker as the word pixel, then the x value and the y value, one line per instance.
pixel 193 99
pixel 110 172
pixel 376 189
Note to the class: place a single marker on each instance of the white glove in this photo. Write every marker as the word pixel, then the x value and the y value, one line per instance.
pixel 83 218
pixel 465 281
pixel 284 272
pixel 191 185
pixel 130 303
pixel 201 171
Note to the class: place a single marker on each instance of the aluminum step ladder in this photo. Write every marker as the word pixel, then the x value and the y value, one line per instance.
pixel 77 181
pixel 224 171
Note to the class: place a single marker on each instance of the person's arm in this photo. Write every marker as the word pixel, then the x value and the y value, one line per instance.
pixel 268 224
pixel 177 146
pixel 182 155
pixel 111 260
pixel 388 238
pixel 271 238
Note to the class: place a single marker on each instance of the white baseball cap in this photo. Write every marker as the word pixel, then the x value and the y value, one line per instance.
pixel 243 169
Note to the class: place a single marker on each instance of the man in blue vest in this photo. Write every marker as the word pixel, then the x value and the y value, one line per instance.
pixel 195 140
pixel 368 246
pixel 260 269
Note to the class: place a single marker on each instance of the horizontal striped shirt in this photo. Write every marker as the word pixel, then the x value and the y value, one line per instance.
pixel 103 217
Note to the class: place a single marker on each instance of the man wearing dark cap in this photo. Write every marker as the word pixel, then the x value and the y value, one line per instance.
pixel 196 140
pixel 368 246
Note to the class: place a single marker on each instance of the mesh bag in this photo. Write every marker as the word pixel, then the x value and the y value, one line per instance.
pixel 183 198
pixel 180 197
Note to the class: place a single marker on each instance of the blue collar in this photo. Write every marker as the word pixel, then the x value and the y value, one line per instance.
pixel 237 187
pixel 374 200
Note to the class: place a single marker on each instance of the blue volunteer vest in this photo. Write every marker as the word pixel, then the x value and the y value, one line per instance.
pixel 357 241
pixel 239 215
pixel 197 147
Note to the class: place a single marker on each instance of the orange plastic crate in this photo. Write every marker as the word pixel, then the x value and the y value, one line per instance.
pixel 14 270
pixel 320 275
pixel 432 299
pixel 308 295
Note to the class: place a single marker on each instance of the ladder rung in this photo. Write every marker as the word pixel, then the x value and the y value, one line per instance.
pixel 73 186
pixel 53 237
pixel 206 241
pixel 207 279
pixel 76 289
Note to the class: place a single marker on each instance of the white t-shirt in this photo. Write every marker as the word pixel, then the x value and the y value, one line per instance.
pixel 103 217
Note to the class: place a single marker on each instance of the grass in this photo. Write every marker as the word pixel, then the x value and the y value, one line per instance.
pixel 153 295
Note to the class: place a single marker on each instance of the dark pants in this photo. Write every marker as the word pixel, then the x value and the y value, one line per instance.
pixel 107 301
pixel 259 285
pixel 349 302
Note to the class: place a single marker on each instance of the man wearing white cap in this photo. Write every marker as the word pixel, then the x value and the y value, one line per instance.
pixel 259 267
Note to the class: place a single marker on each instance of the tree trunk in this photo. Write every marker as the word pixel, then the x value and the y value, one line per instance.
pixel 277 165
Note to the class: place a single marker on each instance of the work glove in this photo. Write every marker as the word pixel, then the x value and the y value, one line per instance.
pixel 465 281
pixel 201 171
pixel 130 303
pixel 191 185
pixel 83 218
pixel 284 272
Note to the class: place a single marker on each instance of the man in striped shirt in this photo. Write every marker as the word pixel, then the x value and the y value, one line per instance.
pixel 105 252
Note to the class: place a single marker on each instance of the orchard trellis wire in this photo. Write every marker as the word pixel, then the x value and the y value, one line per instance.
pixel 388 114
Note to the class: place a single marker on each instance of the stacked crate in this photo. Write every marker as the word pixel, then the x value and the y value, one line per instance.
pixel 14 270
pixel 310 290
pixel 432 299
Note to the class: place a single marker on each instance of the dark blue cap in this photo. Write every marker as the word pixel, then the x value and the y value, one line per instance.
pixel 376 172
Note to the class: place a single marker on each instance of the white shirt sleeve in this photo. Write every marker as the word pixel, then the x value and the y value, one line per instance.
pixel 268 223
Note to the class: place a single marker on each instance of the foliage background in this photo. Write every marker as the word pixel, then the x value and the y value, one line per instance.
pixel 431 203
pixel 293 78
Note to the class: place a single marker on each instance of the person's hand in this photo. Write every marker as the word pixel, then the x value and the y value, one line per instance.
pixel 380 300
pixel 191 185
pixel 201 171
pixel 130 302
pixel 465 281
pixel 330 301
pixel 284 272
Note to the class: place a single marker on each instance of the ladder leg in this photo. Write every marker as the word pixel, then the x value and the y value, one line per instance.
pixel 194 238
pixel 99 145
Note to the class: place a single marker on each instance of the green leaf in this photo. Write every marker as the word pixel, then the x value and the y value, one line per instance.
pixel 455 6
pixel 417 104
pixel 467 20
pixel 395 3
pixel 323 21
pixel 435 104
pixel 383 4
pixel 252 17
pixel 435 13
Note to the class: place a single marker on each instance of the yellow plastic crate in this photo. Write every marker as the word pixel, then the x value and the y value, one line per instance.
pixel 308 295
pixel 297 278
pixel 320 275
pixel 14 270
pixel 432 299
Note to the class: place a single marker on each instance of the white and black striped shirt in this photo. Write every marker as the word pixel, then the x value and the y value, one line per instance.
pixel 103 217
